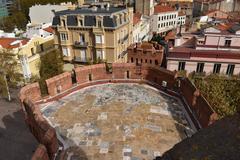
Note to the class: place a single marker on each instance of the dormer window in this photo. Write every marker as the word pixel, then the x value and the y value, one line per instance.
pixel 120 19
pixel 80 22
pixel 99 23
pixel 63 23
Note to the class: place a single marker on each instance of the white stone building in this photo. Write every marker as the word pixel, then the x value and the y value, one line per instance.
pixel 164 19
pixel 141 28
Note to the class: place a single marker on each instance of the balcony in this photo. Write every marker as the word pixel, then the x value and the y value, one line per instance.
pixel 80 59
pixel 80 44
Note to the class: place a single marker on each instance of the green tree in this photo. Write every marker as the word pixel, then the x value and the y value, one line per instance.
pixel 51 65
pixel 17 19
pixel 8 73
pixel 222 93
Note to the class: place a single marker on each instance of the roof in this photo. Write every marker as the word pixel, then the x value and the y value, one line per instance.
pixel 89 16
pixel 48 29
pixel 162 9
pixel 91 11
pixel 10 43
pixel 181 13
pixel 215 10
pixel 136 18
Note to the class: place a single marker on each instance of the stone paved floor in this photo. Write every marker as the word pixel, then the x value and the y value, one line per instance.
pixel 118 121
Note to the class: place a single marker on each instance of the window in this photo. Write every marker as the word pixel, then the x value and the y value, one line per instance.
pixel 159 18
pixel 66 52
pixel 100 54
pixel 128 75
pixel 64 36
pixel 150 61
pixel 227 43
pixel 200 67
pixel 41 47
pixel 99 39
pixel 99 23
pixel 132 60
pixel 230 69
pixel 158 25
pixel 83 55
pixel 80 22
pixel 181 66
pixel 63 22
pixel 141 61
pixel 81 38
pixel 156 62
pixel 32 51
pixel 90 77
pixel 145 60
pixel 216 68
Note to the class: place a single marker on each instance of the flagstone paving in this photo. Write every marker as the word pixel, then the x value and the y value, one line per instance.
pixel 118 121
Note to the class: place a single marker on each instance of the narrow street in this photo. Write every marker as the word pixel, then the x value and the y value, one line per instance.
pixel 16 141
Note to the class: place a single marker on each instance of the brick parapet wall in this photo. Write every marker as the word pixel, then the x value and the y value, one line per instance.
pixel 145 53
pixel 40 153
pixel 31 91
pixel 61 85
pixel 40 128
pixel 197 103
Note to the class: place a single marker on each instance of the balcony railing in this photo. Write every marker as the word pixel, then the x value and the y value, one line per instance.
pixel 80 44
pixel 80 59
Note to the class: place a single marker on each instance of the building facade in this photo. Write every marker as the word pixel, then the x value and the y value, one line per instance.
pixel 184 6
pixel 141 28
pixel 96 33
pixel 28 52
pixel 3 8
pixel 145 7
pixel 216 51
pixel 164 19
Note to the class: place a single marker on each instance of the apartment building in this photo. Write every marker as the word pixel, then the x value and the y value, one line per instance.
pixel 217 51
pixel 3 8
pixel 28 52
pixel 164 19
pixel 184 6
pixel 98 32
pixel 145 7
pixel 141 28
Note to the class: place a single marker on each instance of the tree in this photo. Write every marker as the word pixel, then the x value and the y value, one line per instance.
pixel 51 65
pixel 8 72
pixel 222 93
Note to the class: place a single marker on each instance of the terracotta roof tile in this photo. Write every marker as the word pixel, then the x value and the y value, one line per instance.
pixel 136 18
pixel 48 29
pixel 6 42
pixel 162 9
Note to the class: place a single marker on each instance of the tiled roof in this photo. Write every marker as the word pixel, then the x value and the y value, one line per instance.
pixel 136 18
pixel 10 43
pixel 162 9
pixel 48 29
pixel 181 13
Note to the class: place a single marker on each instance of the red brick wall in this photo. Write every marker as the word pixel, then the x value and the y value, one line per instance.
pixel 59 83
pixel 40 153
pixel 46 135
pixel 40 128
pixel 197 103
pixel 145 52
pixel 31 91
